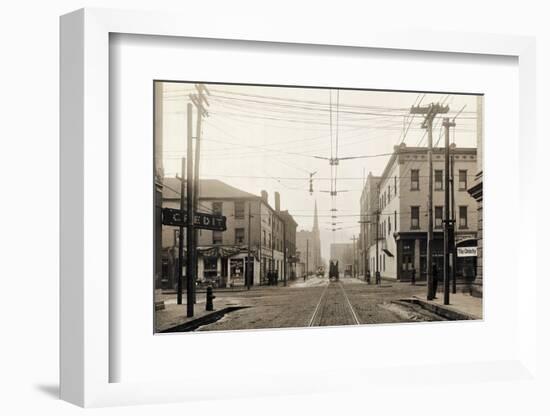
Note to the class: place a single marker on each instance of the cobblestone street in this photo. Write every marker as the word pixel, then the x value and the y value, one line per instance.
pixel 316 302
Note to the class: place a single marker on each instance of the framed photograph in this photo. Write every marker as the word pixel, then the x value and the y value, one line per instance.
pixel 250 205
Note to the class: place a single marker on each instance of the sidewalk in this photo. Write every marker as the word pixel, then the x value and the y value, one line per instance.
pixel 462 306
pixel 174 315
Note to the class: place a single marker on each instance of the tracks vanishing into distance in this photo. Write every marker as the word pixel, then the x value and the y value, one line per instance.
pixel 334 307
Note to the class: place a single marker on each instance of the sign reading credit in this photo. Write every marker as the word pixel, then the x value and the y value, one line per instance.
pixel 203 221
pixel 466 251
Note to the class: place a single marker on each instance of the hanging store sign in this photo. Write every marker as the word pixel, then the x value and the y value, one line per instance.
pixel 466 251
pixel 171 216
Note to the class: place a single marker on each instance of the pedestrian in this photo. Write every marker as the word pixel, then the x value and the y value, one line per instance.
pixel 413 276
pixel 435 278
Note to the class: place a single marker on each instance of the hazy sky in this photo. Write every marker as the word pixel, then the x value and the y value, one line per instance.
pixel 266 138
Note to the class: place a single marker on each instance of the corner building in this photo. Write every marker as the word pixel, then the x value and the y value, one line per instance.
pixel 401 215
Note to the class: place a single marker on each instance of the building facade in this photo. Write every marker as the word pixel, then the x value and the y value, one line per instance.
pixel 477 193
pixel 253 228
pixel 367 234
pixel 400 219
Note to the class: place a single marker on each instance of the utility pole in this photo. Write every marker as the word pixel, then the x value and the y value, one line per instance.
pixel 429 113
pixel 377 235
pixel 284 253
pixel 199 100
pixel 365 253
pixel 307 257
pixel 447 251
pixel 181 228
pixel 248 259
pixel 377 255
pixel 354 257
pixel 260 243
pixel 190 267
pixel 453 218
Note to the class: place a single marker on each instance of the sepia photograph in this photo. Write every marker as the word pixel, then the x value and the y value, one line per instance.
pixel 291 207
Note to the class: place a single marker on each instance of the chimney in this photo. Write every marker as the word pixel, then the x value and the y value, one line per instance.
pixel 264 196
pixel 277 202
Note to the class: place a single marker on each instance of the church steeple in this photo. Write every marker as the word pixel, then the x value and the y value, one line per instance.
pixel 315 220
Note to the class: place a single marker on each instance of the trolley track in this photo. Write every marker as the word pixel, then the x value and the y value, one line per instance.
pixel 334 307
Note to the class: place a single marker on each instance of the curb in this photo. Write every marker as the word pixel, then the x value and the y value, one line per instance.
pixel 203 320
pixel 446 312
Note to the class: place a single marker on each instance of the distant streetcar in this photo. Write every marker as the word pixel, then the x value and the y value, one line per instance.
pixel 333 272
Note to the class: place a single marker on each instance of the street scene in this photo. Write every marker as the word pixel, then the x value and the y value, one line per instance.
pixel 295 207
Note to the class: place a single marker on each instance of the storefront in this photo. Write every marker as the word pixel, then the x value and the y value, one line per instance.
pixel 466 259
pixel 225 266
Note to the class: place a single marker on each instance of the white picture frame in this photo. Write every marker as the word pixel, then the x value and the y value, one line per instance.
pixel 85 263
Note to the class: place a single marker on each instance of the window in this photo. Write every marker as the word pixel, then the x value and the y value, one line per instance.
pixel 395 185
pixel 438 179
pixel 415 185
pixel 239 235
pixel 438 217
pixel 217 207
pixel 389 225
pixel 463 217
pixel 415 218
pixel 395 219
pixel 389 194
pixel 239 210
pixel 462 182
pixel 264 238
pixel 217 237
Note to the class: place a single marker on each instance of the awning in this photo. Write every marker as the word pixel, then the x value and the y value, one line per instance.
pixel 385 250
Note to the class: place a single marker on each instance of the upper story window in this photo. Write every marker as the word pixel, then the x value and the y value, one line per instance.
pixel 415 180
pixel 217 207
pixel 462 180
pixel 438 180
pixel 438 217
pixel 217 237
pixel 239 210
pixel 389 225
pixel 415 218
pixel 463 217
pixel 239 235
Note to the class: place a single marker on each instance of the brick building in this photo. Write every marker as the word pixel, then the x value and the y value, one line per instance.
pixel 401 214
pixel 222 255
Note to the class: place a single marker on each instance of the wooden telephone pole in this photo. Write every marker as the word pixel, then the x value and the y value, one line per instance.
pixel 429 113
pixel 190 266
pixel 248 259
pixel 448 249
pixel 200 102
pixel 354 269
pixel 180 239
